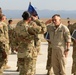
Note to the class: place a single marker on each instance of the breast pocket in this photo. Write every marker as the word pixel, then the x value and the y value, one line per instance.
pixel 60 35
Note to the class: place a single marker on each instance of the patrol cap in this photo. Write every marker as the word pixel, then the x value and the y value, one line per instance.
pixel 26 15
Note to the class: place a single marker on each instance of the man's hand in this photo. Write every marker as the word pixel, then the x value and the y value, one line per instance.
pixel 48 21
pixel 34 17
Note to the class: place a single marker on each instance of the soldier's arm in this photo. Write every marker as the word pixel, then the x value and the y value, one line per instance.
pixel 67 37
pixel 42 24
pixel 5 27
pixel 48 21
pixel 35 28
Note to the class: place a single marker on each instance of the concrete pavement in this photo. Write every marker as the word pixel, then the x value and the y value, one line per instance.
pixel 41 62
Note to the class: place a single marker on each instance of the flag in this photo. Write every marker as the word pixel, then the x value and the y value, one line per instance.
pixel 32 10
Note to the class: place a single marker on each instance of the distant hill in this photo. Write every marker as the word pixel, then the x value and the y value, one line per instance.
pixel 42 13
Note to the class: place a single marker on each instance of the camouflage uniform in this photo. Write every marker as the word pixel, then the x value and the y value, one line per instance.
pixel 49 62
pixel 10 31
pixel 11 41
pixel 3 42
pixel 49 57
pixel 72 28
pixel 24 41
pixel 38 38
pixel 59 37
pixel 6 43
pixel 7 37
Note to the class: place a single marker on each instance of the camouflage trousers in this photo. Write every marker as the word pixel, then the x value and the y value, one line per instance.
pixel 2 67
pixel 48 65
pixel 27 66
pixel 37 44
pixel 7 48
pixel 7 52
pixel 49 62
pixel 74 59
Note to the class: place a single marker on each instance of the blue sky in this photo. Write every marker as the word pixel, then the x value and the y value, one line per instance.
pixel 39 4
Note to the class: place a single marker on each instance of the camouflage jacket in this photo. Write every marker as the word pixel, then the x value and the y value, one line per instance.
pixel 71 29
pixel 24 38
pixel 42 25
pixel 43 28
pixel 4 33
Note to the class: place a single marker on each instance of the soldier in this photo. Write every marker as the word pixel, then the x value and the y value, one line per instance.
pixel 10 30
pixel 3 21
pixel 40 23
pixel 10 24
pixel 3 43
pixel 36 19
pixel 37 37
pixel 49 55
pixel 24 41
pixel 72 28
pixel 49 62
pixel 69 25
pixel 60 41
pixel 68 22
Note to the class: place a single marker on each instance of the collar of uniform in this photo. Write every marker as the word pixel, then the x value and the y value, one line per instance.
pixel 58 26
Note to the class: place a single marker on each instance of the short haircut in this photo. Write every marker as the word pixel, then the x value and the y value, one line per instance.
pixel 9 21
pixel 68 21
pixel 55 15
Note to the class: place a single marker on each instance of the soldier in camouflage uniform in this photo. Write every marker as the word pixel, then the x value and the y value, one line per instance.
pixel 72 28
pixel 11 39
pixel 10 30
pixel 37 37
pixel 49 62
pixel 69 25
pixel 3 42
pixel 49 55
pixel 6 33
pixel 43 26
pixel 7 40
pixel 24 41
